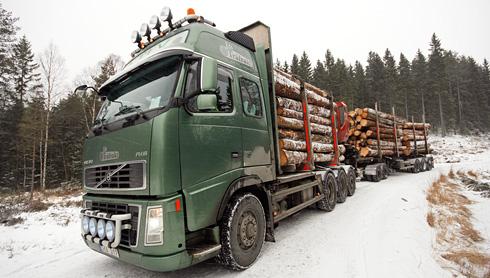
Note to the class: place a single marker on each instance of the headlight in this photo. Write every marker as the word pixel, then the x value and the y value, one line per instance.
pixel 92 226
pixel 110 231
pixel 85 221
pixel 101 228
pixel 154 225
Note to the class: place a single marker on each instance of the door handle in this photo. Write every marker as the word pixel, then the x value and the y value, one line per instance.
pixel 235 155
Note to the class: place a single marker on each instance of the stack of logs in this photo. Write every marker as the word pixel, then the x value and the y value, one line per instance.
pixel 413 135
pixel 363 134
pixel 290 121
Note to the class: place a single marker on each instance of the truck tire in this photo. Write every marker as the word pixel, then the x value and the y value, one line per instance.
pixel 379 174
pixel 342 185
pixel 330 191
pixel 430 164
pixel 416 166
pixel 351 177
pixel 242 232
pixel 423 165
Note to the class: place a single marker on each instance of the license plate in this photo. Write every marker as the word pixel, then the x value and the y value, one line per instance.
pixel 109 251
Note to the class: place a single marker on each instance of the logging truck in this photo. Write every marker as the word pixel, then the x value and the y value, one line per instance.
pixel 201 148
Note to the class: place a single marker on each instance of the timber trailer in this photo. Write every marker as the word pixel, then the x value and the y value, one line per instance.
pixel 380 166
pixel 182 163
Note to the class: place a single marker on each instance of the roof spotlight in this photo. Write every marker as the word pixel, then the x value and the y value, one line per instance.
pixel 136 38
pixel 145 31
pixel 156 24
pixel 166 15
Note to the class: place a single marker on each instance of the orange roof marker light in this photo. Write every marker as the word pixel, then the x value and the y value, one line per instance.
pixel 190 11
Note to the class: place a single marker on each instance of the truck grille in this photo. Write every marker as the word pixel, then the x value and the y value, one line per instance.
pixel 131 175
pixel 128 237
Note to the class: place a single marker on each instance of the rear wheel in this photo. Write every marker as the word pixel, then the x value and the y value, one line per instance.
pixel 330 191
pixel 385 172
pixel 242 232
pixel 342 185
pixel 351 177
pixel 379 174
pixel 423 165
pixel 416 166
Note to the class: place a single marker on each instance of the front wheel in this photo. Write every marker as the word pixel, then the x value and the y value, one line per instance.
pixel 242 232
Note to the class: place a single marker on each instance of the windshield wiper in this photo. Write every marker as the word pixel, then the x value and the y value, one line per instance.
pixel 128 109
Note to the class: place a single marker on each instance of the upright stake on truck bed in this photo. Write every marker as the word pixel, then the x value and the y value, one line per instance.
pixel 414 138
pixel 309 165
pixel 333 122
pixel 377 131
pixel 425 135
pixel 395 131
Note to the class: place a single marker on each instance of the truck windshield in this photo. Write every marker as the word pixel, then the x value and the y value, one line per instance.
pixel 148 87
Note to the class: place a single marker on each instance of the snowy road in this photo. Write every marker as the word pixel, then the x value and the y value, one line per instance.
pixel 379 232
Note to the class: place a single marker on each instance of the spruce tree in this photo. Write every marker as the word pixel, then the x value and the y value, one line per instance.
pixel 304 70
pixel 295 65
pixel 390 93
pixel 318 78
pixel 374 79
pixel 285 67
pixel 437 84
pixel 417 104
pixel 8 30
pixel 278 64
pixel 360 87
pixel 24 68
pixel 404 87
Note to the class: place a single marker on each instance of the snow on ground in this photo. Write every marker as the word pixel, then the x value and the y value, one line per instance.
pixel 458 148
pixel 381 231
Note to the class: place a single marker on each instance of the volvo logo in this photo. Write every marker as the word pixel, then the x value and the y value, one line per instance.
pixel 105 155
pixel 108 176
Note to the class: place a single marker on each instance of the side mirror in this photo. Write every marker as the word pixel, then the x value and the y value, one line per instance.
pixel 209 75
pixel 80 89
pixel 207 102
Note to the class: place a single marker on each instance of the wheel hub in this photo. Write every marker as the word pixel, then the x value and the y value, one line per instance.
pixel 247 230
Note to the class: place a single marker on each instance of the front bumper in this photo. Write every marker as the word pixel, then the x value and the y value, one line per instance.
pixel 154 263
pixel 170 255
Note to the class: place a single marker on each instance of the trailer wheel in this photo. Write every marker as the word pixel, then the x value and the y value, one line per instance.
pixel 423 165
pixel 416 166
pixel 351 177
pixel 379 174
pixel 330 191
pixel 385 172
pixel 430 164
pixel 342 185
pixel 242 232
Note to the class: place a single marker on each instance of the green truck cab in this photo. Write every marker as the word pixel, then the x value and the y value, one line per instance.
pixel 181 164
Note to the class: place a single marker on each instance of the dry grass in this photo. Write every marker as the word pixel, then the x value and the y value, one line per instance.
pixel 450 216
pixel 37 205
pixel 430 219
pixel 473 173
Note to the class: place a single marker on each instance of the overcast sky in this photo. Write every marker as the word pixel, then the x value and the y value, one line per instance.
pixel 88 30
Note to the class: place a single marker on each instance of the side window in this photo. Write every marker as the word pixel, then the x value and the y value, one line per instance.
pixel 192 85
pixel 223 92
pixel 252 104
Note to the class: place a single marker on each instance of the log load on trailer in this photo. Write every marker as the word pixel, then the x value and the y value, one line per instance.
pixel 379 143
pixel 201 148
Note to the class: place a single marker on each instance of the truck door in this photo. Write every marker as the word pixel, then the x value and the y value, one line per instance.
pixel 255 135
pixel 210 149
